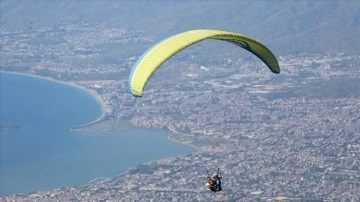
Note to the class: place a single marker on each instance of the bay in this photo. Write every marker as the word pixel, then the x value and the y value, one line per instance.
pixel 35 154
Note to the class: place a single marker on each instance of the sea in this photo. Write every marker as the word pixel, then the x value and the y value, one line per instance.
pixel 36 154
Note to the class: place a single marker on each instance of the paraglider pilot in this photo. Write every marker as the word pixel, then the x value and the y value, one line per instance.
pixel 214 182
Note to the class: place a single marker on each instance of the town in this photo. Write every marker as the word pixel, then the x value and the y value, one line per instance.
pixel 292 136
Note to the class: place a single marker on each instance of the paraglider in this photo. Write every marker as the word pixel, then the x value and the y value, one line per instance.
pixel 214 182
pixel 158 54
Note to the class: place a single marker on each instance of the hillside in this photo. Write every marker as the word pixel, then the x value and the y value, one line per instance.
pixel 286 26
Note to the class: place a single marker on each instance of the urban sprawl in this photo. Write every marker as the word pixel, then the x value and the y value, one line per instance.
pixel 291 136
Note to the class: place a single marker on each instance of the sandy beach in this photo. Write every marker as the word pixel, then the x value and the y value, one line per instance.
pixel 93 93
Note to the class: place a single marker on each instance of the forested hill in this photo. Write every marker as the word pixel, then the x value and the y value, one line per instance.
pixel 286 26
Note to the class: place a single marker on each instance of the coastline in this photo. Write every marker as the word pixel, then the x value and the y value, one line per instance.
pixel 104 108
pixel 173 131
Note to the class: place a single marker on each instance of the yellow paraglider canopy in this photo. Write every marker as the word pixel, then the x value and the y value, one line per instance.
pixel 154 57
